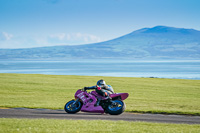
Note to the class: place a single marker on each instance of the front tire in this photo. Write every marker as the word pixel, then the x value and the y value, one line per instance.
pixel 72 107
pixel 116 107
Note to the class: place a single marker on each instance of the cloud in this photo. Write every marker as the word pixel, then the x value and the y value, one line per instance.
pixel 74 37
pixel 4 36
pixel 85 37
pixel 8 40
pixel 59 36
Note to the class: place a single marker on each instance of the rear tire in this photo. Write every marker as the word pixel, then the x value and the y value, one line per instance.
pixel 116 107
pixel 72 108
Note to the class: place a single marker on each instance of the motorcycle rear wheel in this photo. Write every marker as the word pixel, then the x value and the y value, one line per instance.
pixel 116 107
pixel 72 107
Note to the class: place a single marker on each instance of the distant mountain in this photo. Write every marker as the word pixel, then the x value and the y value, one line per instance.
pixel 159 42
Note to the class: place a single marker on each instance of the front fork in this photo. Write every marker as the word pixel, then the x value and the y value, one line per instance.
pixel 75 101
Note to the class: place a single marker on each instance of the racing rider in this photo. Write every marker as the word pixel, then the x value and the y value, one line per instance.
pixel 102 89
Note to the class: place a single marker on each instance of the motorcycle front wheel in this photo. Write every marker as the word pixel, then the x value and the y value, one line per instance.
pixel 116 107
pixel 73 106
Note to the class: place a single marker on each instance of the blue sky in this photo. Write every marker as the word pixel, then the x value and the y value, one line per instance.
pixel 37 23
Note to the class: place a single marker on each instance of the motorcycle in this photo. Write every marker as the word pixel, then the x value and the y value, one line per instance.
pixel 86 102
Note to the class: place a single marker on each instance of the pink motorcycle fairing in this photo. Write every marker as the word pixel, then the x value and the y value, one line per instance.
pixel 122 95
pixel 89 100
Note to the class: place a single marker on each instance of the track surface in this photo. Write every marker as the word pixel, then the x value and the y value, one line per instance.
pixel 61 114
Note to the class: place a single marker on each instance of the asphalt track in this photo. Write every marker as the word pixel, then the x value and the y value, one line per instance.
pixel 61 114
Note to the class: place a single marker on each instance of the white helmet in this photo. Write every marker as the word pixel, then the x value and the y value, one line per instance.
pixel 101 82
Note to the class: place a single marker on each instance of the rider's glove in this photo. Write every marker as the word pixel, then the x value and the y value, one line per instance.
pixel 85 88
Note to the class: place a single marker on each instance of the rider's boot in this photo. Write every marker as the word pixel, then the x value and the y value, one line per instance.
pixel 108 98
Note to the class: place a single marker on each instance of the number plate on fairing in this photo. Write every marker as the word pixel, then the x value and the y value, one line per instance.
pixel 82 97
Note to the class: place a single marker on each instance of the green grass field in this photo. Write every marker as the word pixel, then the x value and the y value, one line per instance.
pixel 151 95
pixel 80 126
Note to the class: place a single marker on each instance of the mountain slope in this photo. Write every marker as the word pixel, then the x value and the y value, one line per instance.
pixel 159 42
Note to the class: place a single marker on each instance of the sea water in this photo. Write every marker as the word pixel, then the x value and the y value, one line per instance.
pixel 179 69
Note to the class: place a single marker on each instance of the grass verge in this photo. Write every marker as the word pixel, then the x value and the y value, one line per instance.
pixel 151 95
pixel 76 126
